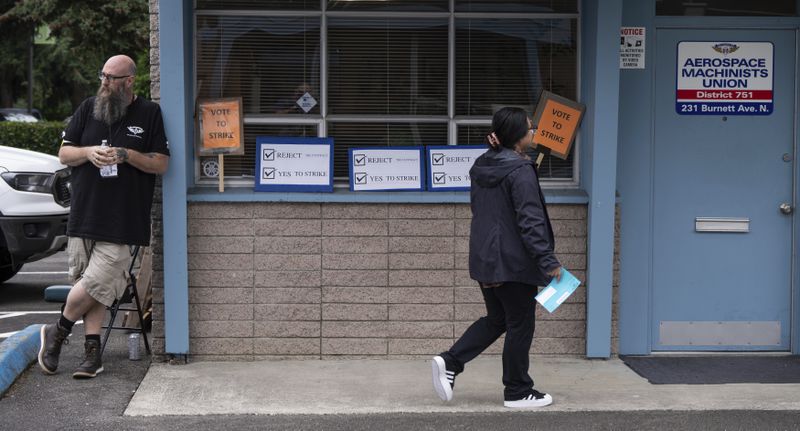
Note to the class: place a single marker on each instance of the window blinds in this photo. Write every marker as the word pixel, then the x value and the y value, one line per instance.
pixel 269 61
pixel 387 75
pixel 502 62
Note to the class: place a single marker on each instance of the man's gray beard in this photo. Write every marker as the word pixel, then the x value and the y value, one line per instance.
pixel 109 106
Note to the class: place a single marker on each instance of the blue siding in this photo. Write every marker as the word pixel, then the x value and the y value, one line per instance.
pixel 795 316
pixel 635 187
pixel 175 56
pixel 601 22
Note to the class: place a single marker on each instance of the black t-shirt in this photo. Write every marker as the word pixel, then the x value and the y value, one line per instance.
pixel 114 209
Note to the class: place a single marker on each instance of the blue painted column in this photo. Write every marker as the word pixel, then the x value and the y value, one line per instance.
pixel 795 313
pixel 175 57
pixel 635 188
pixel 602 20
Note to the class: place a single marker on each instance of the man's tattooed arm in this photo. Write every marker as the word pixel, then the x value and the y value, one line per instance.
pixel 153 163
pixel 122 154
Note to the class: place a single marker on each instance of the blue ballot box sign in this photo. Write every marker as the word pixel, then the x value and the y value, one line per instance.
pixel 555 293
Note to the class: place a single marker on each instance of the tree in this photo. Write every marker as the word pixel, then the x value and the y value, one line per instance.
pixel 13 55
pixel 86 33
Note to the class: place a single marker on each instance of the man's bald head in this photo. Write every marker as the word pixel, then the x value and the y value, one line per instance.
pixel 120 65
pixel 116 89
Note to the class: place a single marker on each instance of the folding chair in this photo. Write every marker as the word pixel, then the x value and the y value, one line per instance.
pixel 130 297
pixel 59 293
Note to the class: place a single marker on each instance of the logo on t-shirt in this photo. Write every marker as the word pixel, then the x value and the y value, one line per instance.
pixel 135 132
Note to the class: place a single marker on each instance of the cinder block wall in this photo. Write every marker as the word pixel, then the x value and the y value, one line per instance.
pixel 156 242
pixel 275 280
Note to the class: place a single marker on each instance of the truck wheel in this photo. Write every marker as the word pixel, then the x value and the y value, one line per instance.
pixel 7 272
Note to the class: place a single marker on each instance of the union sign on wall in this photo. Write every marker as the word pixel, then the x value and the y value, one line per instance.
pixel 724 78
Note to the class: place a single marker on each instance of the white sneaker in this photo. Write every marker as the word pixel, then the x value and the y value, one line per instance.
pixel 534 400
pixel 443 379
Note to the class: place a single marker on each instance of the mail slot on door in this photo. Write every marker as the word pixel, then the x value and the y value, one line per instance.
pixel 722 224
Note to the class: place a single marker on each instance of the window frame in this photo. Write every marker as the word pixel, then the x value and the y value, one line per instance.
pixel 321 120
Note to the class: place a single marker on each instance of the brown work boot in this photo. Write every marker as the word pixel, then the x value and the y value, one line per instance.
pixel 51 338
pixel 91 366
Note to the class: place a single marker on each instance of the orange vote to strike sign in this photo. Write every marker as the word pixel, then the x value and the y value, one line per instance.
pixel 221 127
pixel 557 120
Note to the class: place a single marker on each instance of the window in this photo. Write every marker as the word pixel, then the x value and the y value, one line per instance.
pixel 258 4
pixel 727 8
pixel 392 5
pixel 523 6
pixel 268 61
pixel 503 62
pixel 387 66
pixel 388 72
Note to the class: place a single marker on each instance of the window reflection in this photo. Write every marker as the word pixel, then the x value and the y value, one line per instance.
pixel 258 4
pixel 387 75
pixel 390 5
pixel 387 66
pixel 269 61
pixel 510 62
pixel 726 8
pixel 527 6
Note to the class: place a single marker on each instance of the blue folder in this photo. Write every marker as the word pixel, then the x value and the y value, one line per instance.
pixel 555 293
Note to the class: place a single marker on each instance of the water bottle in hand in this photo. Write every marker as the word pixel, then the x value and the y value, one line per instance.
pixel 108 171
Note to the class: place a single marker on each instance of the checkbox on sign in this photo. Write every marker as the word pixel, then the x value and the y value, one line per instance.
pixel 269 154
pixel 360 160
pixel 437 159
pixel 361 178
pixel 269 174
pixel 439 178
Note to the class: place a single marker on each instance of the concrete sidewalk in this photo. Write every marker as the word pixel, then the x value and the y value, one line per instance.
pixel 395 386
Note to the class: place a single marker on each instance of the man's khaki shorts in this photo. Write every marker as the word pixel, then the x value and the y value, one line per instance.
pixel 102 268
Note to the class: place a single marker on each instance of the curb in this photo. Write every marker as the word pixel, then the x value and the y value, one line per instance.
pixel 16 353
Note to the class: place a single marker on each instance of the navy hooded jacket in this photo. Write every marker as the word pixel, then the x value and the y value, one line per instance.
pixel 511 239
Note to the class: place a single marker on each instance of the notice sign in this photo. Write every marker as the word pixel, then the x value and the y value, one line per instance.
pixel 306 102
pixel 221 127
pixel 294 164
pixel 557 120
pixel 449 165
pixel 392 168
pixel 724 78
pixel 631 48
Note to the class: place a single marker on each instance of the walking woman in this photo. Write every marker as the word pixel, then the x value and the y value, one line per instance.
pixel 510 253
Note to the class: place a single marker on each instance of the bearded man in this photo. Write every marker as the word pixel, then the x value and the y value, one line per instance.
pixel 112 194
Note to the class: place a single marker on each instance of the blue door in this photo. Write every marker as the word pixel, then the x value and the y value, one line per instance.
pixel 722 189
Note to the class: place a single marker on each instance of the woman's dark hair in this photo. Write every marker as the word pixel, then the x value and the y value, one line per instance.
pixel 510 125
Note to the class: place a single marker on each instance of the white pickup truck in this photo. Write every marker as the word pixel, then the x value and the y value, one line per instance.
pixel 35 195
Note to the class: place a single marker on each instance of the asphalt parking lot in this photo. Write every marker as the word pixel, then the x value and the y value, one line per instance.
pixel 22 297
pixel 68 403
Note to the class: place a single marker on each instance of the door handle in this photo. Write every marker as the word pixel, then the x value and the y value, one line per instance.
pixel 786 208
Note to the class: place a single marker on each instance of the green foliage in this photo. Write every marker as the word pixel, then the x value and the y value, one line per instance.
pixel 13 56
pixel 86 33
pixel 43 136
pixel 141 86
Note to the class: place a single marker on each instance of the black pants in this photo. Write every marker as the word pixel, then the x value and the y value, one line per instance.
pixel 510 308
